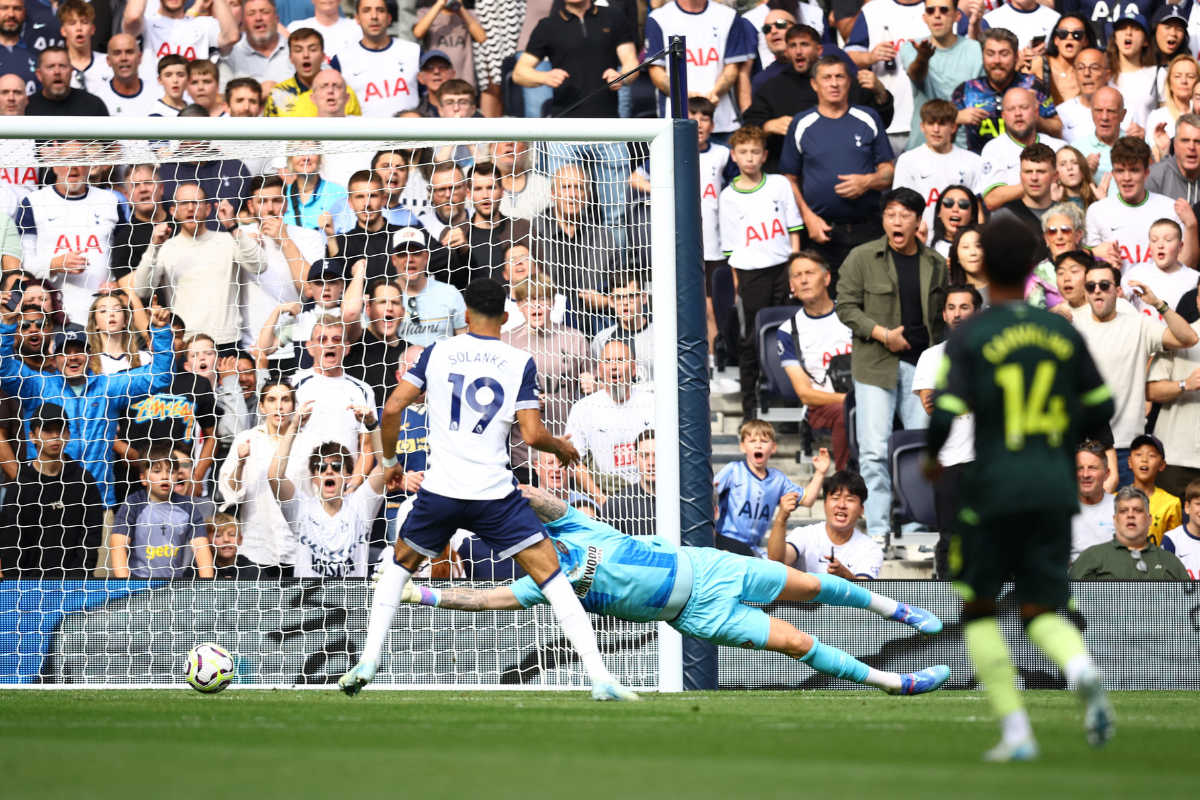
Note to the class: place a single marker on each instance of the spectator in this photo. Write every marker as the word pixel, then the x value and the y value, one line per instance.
pixel 588 47
pixel 1075 177
pixel 966 260
pixel 958 208
pixel 1070 273
pixel 979 100
pixel 808 346
pixel 1174 380
pixel 1028 19
pixel 57 98
pixel 934 162
pixel 270 542
pixel 331 527
pixel 53 513
pixel 1178 176
pixel 1184 541
pixel 1132 65
pixel 337 32
pixel 172 77
pixel 793 92
pixel 634 510
pixel 435 69
pixel 310 201
pixel 1108 110
pixel 1147 458
pixel 632 326
pixel 450 31
pixel 287 330
pixel 605 424
pixel 1130 556
pixel 714 165
pixel 371 236
pixel 1094 523
pixel 159 534
pixel 1118 226
pixel 204 87
pixel 963 301
pixel 1182 76
pixel 223 179
pixel 448 222
pixel 874 44
pixel 1121 344
pixel 433 310
pixel 126 94
pixel 772 42
pixel 261 53
pixel 527 192
pixel 1091 74
pixel 15 56
pixel 1072 35
pixel 329 94
pixel 392 169
pixel 115 323
pixel 893 330
pixel 490 231
pixel 1062 231
pixel 718 43
pixel 1169 279
pixel 131 238
pixel 375 358
pixel 412 448
pixel 225 532
pixel 78 25
pixel 834 546
pixel 216 373
pixel 381 69
pixel 1003 157
pixel 170 30
pixel 1036 182
pixel 838 185
pixel 292 97
pixel 35 340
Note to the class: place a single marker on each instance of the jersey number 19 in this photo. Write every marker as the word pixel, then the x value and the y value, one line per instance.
pixel 488 409
pixel 1039 413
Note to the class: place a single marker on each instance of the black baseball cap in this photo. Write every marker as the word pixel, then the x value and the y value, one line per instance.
pixel 1150 439
pixel 50 414
pixel 64 339
pixel 326 268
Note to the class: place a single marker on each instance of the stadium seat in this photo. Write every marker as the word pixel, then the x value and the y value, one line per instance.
pixel 511 92
pixel 912 493
pixel 850 419
pixel 724 298
pixel 773 379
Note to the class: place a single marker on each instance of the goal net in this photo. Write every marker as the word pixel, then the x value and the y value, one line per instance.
pixel 192 306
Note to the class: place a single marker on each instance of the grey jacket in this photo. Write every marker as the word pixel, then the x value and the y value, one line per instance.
pixel 1165 178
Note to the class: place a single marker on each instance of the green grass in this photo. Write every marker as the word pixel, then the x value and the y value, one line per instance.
pixel 476 745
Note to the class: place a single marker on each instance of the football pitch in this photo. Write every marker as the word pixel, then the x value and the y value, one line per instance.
pixel 318 744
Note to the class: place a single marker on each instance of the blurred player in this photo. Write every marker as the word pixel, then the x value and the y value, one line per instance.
pixel 628 577
pixel 1028 376
pixel 476 388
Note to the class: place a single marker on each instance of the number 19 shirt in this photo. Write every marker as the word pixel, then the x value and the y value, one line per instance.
pixel 474 387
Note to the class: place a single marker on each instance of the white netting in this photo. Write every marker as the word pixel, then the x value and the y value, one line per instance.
pixel 284 274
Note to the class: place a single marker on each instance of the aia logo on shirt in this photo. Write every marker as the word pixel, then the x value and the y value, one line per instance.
pixel 165 50
pixel 710 191
pixel 759 233
pixel 703 58
pixel 18 176
pixel 393 90
pixel 64 245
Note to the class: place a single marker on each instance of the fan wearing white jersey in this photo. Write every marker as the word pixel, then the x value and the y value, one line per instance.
pixel 714 158
pixel 331 526
pixel 172 31
pixel 1001 168
pixel 1118 226
pixel 1028 19
pixel 476 388
pixel 931 167
pixel 834 546
pixel 127 93
pixel 66 232
pixel 78 20
pixel 1166 277
pixel 381 69
pixel 337 32
pixel 874 44
pixel 1184 541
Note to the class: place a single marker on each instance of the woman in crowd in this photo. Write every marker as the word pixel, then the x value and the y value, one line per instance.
pixel 1071 34
pixel 267 539
pixel 1170 36
pixel 957 207
pixel 310 201
pixel 966 260
pixel 44 296
pixel 1132 65
pixel 116 328
pixel 1075 178
pixel 1182 76
pixel 1063 229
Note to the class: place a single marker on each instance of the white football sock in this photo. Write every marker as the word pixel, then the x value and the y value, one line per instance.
pixel 575 624
pixel 883 606
pixel 383 609
pixel 1015 727
pixel 887 681
pixel 1077 667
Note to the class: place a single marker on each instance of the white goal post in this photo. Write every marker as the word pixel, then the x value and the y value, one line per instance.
pixel 277 137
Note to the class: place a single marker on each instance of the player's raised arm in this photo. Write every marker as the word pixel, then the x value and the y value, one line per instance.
pixel 545 505
pixel 538 437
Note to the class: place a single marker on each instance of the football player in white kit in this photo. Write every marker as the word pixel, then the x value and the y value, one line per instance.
pixel 476 388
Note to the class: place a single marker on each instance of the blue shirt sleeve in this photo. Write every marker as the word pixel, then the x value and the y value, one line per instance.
pixel 527 592
pixel 789 160
pixel 335 64
pixel 654 39
pixel 458 311
pixel 416 375
pixel 724 477
pixel 742 42
pixel 787 348
pixel 860 38
pixel 25 221
pixel 527 395
pixel 1167 544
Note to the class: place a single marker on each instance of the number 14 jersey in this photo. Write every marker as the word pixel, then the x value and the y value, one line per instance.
pixel 474 387
pixel 1033 386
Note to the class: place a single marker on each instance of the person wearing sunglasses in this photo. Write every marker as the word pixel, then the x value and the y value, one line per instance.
pixel 957 208
pixel 1129 555
pixel 937 163
pixel 939 64
pixel 1096 481
pixel 1062 231
pixel 1056 68
pixel 772 40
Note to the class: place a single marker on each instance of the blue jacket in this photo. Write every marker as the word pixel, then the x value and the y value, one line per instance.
pixel 93 414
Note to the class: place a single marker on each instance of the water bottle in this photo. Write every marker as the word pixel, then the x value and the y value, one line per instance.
pixel 890 64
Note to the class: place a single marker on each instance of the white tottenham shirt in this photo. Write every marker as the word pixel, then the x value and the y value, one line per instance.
pixel 889 21
pixel 384 80
pixel 960 444
pixel 142 103
pixel 756 224
pixel 332 546
pixel 331 420
pixel 712 171
pixel 1186 547
pixel 1112 219
pixel 1038 21
pixel 821 338
pixel 928 172
pixel 1002 160
pixel 600 426
pixel 1167 286
pixel 1093 525
pixel 190 37
pixel 813 548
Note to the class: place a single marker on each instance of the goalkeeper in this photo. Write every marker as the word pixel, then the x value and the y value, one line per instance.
pixel 700 592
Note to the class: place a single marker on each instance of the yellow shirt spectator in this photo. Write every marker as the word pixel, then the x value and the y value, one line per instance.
pixel 290 98
pixel 1166 514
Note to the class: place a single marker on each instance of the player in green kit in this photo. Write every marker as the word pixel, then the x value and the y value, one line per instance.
pixel 1028 377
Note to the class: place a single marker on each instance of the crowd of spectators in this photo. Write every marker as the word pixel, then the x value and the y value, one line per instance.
pixel 165 350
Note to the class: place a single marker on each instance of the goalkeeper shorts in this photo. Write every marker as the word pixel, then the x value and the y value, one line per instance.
pixel 722 585
pixel 507 525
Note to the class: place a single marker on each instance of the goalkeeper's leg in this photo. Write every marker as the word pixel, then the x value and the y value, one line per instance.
pixel 834 591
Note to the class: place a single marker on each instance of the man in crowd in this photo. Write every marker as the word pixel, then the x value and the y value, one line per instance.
pixel 306 52
pixel 261 53
pixel 436 69
pixel 1091 75
pixel 633 510
pixel 1037 178
pixel 938 65
pixel 979 100
pixel 224 180
pixel 1094 523
pixel 839 161
pixel 15 58
pixel 1174 381
pixel 376 357
pixel 891 332
pixel 339 33
pixel 126 94
pixel 1178 176
pixel 381 69
pixel 1130 555
pixel 1108 112
pixel 1002 157
pixel 130 238
pixel 777 24
pixel 448 223
pixel 433 310
pixel 35 340
pixel 57 98
pixel 329 94
pixel 633 325
pixel 371 236
pixel 171 30
pixel 490 231
pixel 835 546
pixel 204 87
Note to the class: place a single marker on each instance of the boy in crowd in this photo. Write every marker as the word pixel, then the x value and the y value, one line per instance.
pixel 749 491
pixel 1184 541
pixel 760 229
pixel 289 326
pixel 173 78
pixel 714 163
pixel 228 562
pixel 937 162
pixel 204 87
pixel 158 534
pixel 1146 459
pixel 1166 276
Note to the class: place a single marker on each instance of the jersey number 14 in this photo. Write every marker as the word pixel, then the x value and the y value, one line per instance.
pixel 1035 413
pixel 488 409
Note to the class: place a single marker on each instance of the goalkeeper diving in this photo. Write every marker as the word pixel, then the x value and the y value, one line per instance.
pixel 700 592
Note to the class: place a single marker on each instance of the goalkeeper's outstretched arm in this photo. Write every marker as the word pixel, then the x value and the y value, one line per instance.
pixel 498 599
pixel 547 507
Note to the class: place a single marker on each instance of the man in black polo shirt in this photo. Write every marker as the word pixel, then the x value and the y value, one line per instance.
pixel 375 358
pixel 1037 178
pixel 132 237
pixel 371 236
pixel 490 233
pixel 57 98
pixel 588 46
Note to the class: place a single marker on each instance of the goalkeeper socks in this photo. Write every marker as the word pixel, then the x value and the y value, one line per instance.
pixel 1062 643
pixel 837 663
pixel 993 667
pixel 383 609
pixel 837 591
pixel 575 624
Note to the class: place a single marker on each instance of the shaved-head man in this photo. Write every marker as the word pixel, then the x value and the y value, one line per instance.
pixel 1001 166
pixel 329 93
pixel 127 95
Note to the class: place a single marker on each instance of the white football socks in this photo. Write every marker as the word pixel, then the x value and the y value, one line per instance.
pixel 883 606
pixel 1015 727
pixel 887 681
pixel 388 590
pixel 575 624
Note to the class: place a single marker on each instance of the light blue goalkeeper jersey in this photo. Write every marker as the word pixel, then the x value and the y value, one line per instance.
pixel 613 574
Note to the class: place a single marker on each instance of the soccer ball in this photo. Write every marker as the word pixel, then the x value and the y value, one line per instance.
pixel 209 668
